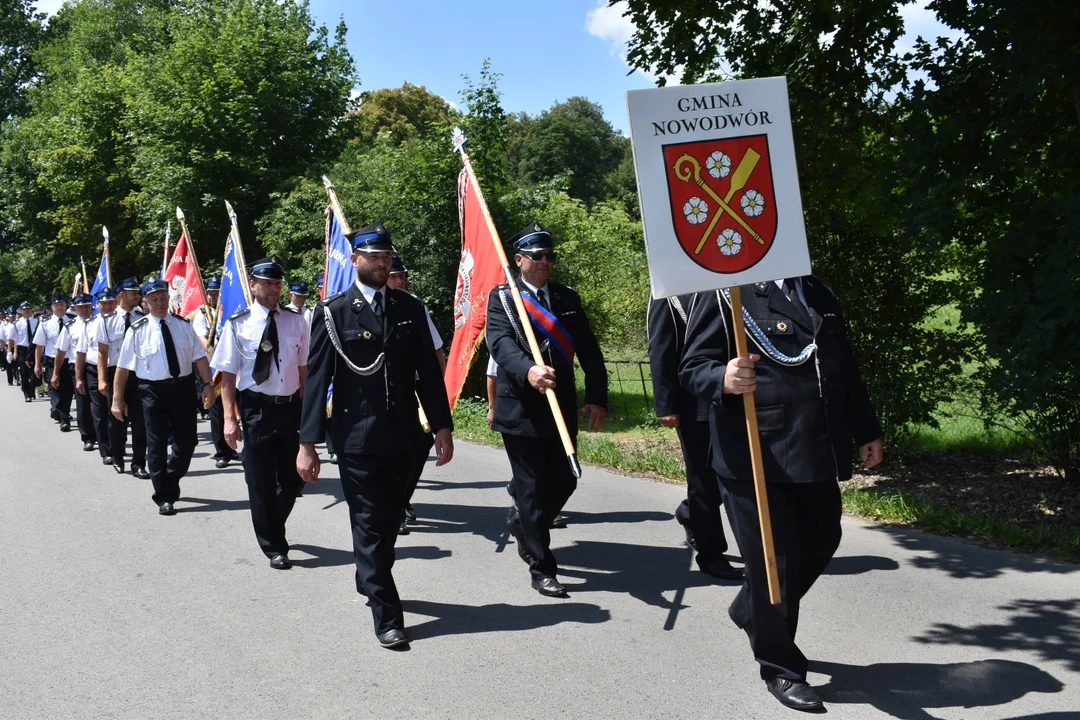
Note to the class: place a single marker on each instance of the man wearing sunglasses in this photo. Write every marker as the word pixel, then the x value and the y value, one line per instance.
pixel 542 480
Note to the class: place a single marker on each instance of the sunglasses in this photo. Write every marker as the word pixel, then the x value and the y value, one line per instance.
pixel 540 256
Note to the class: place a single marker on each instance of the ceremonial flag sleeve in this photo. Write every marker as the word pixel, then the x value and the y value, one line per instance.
pixel 233 296
pixel 101 280
pixel 340 273
pixel 185 284
pixel 479 272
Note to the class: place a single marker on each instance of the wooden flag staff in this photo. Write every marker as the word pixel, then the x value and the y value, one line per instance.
pixel 760 490
pixel 523 315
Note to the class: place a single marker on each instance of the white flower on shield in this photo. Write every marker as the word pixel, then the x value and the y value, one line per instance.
pixel 752 203
pixel 696 210
pixel 718 164
pixel 729 242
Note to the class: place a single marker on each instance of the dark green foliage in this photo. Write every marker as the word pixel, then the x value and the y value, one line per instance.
pixel 21 31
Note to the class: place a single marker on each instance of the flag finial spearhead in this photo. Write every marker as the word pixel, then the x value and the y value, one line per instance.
pixel 179 214
pixel 232 213
pixel 459 139
pixel 326 183
pixel 105 234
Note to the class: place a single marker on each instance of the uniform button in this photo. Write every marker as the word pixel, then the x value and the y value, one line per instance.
pixel 393 403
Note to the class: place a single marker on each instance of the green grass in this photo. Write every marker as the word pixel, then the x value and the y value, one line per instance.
pixel 899 508
pixel 959 432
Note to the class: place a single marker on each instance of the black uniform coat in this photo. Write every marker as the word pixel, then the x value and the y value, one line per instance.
pixel 667 338
pixel 808 414
pixel 374 414
pixel 520 409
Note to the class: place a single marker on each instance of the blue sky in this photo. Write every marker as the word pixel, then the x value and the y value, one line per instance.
pixel 547 50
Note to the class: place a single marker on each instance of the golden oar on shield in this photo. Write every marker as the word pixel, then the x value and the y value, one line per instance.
pixel 738 181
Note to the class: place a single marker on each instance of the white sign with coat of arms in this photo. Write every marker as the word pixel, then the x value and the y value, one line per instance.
pixel 718 184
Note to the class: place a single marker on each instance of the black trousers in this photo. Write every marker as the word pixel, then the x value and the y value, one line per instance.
pixel 84 414
pixel 806 533
pixel 374 488
pixel 271 442
pixel 118 429
pixel 169 407
pixel 700 511
pixel 541 485
pixel 12 370
pixel 59 398
pixel 99 410
pixel 217 432
pixel 28 380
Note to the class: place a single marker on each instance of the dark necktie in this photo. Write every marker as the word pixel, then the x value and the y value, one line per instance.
pixel 792 293
pixel 170 350
pixel 268 347
pixel 127 321
pixel 376 304
pixel 543 299
pixel 59 325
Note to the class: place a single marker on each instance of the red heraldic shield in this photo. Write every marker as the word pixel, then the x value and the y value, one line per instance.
pixel 723 204
pixel 479 271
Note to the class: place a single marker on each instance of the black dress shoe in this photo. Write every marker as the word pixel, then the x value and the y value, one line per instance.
pixel 107 460
pixel 88 445
pixel 720 568
pixel 795 694
pixel 118 466
pixel 410 514
pixel 519 540
pixel 166 508
pixel 393 638
pixel 333 459
pixel 65 427
pixel 558 522
pixel 140 472
pixel 221 463
pixel 280 562
pixel 690 542
pixel 28 399
pixel 549 587
pixel 404 529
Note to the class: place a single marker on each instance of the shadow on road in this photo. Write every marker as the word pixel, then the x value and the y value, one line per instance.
pixel 211 505
pixel 452 619
pixel 859 564
pixel 622 517
pixel 907 690
pixel 1050 628
pixel 333 557
pixel 437 485
pixel 962 560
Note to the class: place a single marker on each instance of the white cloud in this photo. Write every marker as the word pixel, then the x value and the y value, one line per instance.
pixel 610 23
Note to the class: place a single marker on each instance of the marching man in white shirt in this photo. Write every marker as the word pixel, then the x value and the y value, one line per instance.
pixel 67 362
pixel 160 349
pixel 45 337
pixel 262 356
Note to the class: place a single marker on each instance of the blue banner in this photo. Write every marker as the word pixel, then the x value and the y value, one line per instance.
pixel 340 273
pixel 233 297
pixel 101 281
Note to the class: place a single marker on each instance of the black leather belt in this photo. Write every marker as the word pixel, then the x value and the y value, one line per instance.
pixel 271 399
pixel 168 381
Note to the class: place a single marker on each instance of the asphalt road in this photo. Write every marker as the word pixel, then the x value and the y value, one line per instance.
pixel 109 611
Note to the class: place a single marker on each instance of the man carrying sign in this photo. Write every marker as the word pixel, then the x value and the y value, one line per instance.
pixel 811 403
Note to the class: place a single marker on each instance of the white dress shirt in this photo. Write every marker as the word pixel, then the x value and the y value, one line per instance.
pixel 76 339
pixel 238 347
pixel 48 332
pixel 201 323
pixel 143 350
pixel 22 337
pixel 308 312
pixel 110 330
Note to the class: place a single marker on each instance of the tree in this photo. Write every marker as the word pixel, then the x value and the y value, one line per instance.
pixel 571 137
pixel 404 113
pixel 21 30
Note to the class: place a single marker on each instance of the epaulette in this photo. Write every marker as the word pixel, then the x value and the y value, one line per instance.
pixel 180 317
pixel 141 321
pixel 240 313
pixel 108 314
pixel 287 308
pixel 330 299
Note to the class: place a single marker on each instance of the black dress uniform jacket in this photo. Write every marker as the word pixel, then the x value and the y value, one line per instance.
pixel 667 340
pixel 520 409
pixel 374 414
pixel 807 414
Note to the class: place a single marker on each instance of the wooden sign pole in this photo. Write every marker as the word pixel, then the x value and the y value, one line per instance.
pixel 760 490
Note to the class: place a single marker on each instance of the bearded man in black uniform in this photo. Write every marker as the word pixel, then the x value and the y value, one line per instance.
pixel 542 480
pixel 811 404
pixel 373 343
